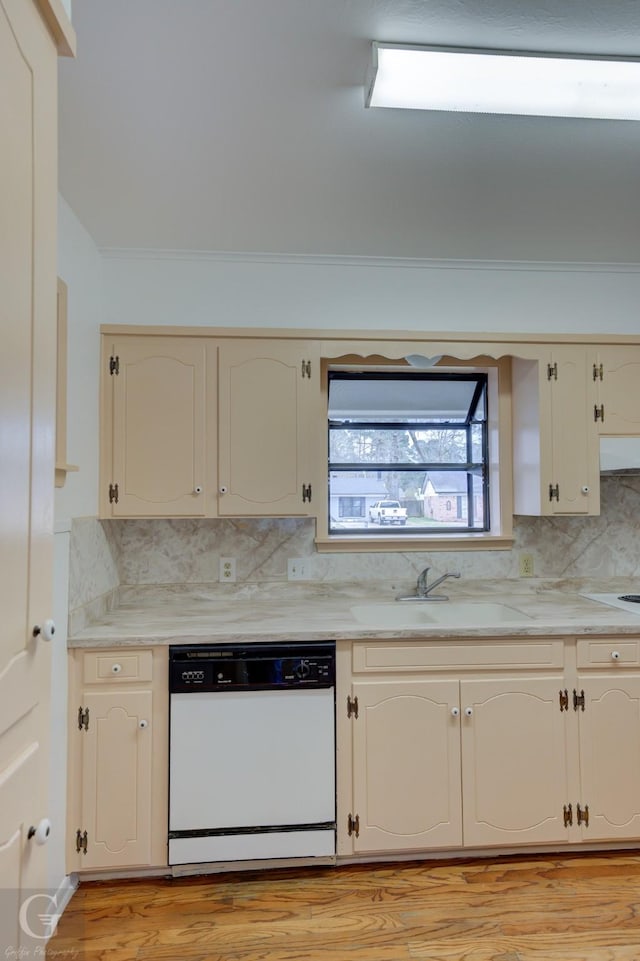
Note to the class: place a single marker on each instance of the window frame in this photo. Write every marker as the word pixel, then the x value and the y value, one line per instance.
pixel 499 464
pixel 480 390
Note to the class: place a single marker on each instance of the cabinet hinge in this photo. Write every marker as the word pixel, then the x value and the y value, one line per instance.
pixel 83 719
pixel 306 368
pixel 306 493
pixel 597 372
pixel 564 700
pixel 353 825
pixel 567 814
pixel 113 493
pixel 352 706
pixel 552 371
pixel 114 365
pixel 598 413
pixel 554 492
pixel 81 841
pixel 578 700
pixel 582 815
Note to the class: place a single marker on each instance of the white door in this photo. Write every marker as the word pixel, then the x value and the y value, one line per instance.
pixel 27 404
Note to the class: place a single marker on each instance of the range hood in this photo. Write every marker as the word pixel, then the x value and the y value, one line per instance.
pixel 620 455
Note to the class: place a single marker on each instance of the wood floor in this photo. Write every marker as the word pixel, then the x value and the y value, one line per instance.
pixel 539 908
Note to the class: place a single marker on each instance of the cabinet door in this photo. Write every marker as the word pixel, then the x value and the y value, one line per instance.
pixel 157 440
pixel 116 779
pixel 574 467
pixel 610 756
pixel 616 372
pixel 513 761
pixel 555 443
pixel 406 765
pixel 269 423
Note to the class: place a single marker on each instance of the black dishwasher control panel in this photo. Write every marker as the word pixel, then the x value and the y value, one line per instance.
pixel 251 667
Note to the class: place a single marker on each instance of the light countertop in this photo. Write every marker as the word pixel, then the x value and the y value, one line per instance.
pixel 216 614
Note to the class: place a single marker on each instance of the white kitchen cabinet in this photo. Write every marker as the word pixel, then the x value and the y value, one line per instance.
pixel 514 761
pixel 154 427
pixel 507 733
pixel 271 428
pixel 195 428
pixel 616 376
pixel 609 739
pixel 555 439
pixel 607 696
pixel 448 761
pixel 118 759
pixel 406 765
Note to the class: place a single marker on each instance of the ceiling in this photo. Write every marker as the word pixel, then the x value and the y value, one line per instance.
pixel 239 125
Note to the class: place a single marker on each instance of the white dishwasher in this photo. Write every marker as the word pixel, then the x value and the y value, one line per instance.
pixel 252 752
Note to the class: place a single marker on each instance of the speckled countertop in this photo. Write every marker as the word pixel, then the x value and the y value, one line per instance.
pixel 319 611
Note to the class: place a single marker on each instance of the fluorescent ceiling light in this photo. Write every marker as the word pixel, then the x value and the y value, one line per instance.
pixel 501 82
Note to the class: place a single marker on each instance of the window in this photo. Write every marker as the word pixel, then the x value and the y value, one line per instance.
pixel 408 453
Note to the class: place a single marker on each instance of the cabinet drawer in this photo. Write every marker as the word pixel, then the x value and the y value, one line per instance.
pixel 597 653
pixel 368 656
pixel 117 666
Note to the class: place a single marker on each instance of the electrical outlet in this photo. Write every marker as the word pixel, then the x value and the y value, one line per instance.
pixel 526 565
pixel 227 570
pixel 297 569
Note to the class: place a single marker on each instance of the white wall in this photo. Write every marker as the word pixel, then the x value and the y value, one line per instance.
pixel 80 266
pixel 226 290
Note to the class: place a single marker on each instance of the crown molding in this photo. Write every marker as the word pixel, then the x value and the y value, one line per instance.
pixel 338 260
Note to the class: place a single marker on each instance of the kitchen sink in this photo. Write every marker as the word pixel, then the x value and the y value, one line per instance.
pixel 434 614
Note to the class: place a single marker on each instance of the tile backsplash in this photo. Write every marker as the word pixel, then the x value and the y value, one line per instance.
pixel 107 554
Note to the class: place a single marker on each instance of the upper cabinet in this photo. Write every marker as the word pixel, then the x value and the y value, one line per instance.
pixel 555 442
pixel 154 424
pixel 269 424
pixel 616 376
pixel 213 424
pixel 193 427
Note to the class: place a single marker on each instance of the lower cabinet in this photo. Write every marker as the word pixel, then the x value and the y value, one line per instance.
pixel 608 715
pixel 425 751
pixel 514 761
pixel 455 745
pixel 406 765
pixel 118 759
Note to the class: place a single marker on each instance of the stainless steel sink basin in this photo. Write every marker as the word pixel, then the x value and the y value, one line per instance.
pixel 429 614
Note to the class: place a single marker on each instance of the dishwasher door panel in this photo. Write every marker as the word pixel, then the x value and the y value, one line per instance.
pixel 252 759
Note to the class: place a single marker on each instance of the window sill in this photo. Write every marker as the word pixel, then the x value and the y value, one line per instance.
pixel 337 543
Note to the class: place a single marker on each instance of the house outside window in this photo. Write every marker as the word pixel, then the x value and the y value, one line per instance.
pixel 417 441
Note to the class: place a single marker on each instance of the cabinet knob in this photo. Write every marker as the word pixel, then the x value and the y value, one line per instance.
pixel 223 490
pixel 142 723
pixel 468 711
pixel 455 712
pixel 45 631
pixel 116 668
pixel 41 832
pixel 615 655
pixel 197 490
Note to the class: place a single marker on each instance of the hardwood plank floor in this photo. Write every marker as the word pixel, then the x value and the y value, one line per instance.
pixel 581 907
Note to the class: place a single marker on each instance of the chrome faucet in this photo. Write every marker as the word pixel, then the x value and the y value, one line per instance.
pixel 424 589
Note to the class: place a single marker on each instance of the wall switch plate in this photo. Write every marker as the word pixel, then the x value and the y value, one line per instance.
pixel 227 570
pixel 297 569
pixel 526 565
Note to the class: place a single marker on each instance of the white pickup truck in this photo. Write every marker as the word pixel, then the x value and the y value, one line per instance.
pixel 387 512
